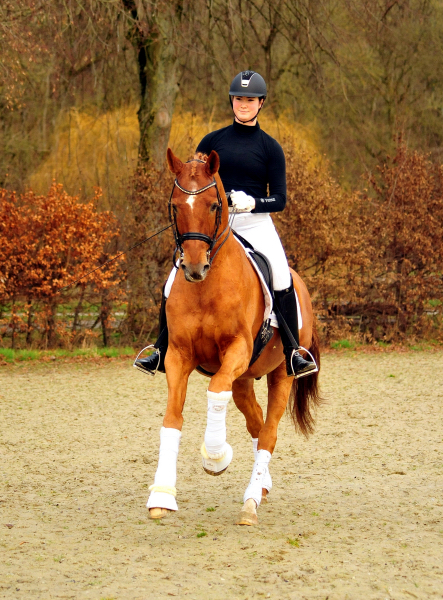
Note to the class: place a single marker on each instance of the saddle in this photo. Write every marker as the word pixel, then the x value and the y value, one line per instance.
pixel 264 271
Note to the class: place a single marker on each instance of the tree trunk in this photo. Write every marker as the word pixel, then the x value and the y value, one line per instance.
pixel 13 324
pixel 105 311
pixel 78 308
pixel 153 32
pixel 29 325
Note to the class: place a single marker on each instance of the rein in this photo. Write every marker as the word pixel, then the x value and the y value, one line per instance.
pixel 196 235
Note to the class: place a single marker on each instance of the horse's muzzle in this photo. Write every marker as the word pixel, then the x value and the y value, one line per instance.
pixel 195 273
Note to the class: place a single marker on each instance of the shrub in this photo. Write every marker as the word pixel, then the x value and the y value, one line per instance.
pixel 48 243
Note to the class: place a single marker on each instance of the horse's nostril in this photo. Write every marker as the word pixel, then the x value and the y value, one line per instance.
pixel 206 268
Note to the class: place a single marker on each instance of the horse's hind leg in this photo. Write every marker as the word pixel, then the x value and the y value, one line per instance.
pixel 245 401
pixel 279 387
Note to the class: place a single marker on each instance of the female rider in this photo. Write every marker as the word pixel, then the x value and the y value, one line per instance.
pixel 251 161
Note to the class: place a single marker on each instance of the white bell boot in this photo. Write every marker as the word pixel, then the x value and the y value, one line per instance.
pixel 163 490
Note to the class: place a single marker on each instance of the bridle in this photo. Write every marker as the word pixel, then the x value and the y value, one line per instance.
pixel 195 235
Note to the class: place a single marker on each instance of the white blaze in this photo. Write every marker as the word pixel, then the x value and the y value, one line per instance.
pixel 190 201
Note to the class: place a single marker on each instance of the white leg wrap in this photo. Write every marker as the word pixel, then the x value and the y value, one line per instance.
pixel 267 481
pixel 215 434
pixel 163 491
pixel 254 489
pixel 216 453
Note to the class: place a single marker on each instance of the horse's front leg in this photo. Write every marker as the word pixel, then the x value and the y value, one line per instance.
pixel 279 387
pixel 163 491
pixel 216 452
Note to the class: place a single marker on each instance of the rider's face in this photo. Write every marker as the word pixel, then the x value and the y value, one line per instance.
pixel 246 108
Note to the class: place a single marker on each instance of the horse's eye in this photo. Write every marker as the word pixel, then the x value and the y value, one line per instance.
pixel 214 207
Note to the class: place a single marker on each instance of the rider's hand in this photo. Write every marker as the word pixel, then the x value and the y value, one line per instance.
pixel 241 202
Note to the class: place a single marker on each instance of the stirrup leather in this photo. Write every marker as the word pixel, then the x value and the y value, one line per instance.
pixel 157 351
pixel 306 373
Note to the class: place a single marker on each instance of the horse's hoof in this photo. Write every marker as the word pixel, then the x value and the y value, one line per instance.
pixel 214 473
pixel 247 518
pixel 158 513
pixel 264 496
pixel 217 466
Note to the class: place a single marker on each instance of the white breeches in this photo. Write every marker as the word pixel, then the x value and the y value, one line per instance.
pixel 258 230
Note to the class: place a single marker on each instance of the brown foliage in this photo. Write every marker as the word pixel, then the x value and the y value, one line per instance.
pixel 149 264
pixel 48 243
pixel 373 261
pixel 404 245
pixel 317 229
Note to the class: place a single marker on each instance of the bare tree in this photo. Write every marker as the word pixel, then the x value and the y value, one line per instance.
pixel 154 28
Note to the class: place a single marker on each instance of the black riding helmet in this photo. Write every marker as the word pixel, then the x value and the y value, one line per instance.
pixel 249 84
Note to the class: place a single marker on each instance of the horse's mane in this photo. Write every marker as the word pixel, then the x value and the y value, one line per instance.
pixel 197 156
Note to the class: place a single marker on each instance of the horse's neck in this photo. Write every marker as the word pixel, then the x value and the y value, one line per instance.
pixel 230 265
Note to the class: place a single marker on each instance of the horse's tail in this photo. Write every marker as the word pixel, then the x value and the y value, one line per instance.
pixel 305 396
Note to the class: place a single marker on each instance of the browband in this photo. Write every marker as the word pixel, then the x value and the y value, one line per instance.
pixel 176 183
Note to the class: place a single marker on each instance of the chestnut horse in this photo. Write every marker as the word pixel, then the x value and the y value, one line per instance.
pixel 214 311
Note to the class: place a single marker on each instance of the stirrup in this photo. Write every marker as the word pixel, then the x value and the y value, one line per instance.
pixel 157 351
pixel 305 373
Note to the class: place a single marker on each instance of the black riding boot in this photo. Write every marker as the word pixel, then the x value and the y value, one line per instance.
pixel 287 310
pixel 156 361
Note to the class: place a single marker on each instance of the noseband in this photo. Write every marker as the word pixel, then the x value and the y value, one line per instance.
pixel 195 235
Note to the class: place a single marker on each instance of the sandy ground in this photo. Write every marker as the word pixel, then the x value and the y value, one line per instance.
pixel 355 513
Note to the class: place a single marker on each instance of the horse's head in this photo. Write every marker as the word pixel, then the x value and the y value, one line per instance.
pixel 199 211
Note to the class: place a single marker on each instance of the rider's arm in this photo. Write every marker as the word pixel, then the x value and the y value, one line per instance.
pixel 276 201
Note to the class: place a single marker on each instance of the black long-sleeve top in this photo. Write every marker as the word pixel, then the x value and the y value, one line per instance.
pixel 250 161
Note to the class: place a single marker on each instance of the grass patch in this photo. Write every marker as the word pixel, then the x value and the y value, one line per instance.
pixel 27 354
pixel 343 345
pixel 10 355
pixel 293 542
pixel 210 509
pixel 7 354
pixel 202 534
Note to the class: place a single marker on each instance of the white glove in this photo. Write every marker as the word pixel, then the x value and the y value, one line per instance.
pixel 241 202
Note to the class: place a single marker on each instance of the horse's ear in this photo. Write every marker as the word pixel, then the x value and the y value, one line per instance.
pixel 175 164
pixel 212 163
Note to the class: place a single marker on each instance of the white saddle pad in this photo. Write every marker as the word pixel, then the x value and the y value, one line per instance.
pixel 269 312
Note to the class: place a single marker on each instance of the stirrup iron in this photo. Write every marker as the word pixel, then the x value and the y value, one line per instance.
pixel 157 351
pixel 306 373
